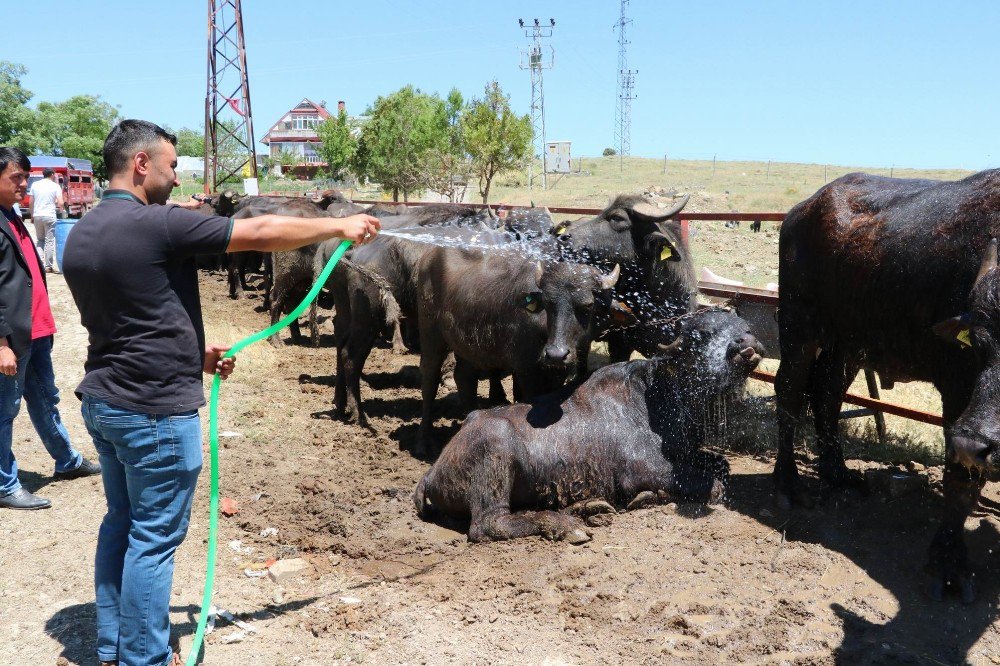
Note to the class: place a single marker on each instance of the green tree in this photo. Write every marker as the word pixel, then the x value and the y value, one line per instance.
pixel 76 127
pixel 190 142
pixel 397 143
pixel 15 118
pixel 339 144
pixel 447 170
pixel 496 138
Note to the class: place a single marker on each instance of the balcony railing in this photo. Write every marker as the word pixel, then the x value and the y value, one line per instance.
pixel 278 134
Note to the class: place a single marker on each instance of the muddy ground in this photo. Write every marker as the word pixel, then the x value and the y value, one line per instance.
pixel 737 583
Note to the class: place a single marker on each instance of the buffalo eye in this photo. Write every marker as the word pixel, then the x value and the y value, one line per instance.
pixel 532 303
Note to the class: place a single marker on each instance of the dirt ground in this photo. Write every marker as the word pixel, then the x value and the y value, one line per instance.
pixel 737 583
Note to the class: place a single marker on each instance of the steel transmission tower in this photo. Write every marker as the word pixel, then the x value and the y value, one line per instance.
pixel 537 57
pixel 229 141
pixel 626 90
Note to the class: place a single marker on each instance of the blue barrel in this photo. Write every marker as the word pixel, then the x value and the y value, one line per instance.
pixel 63 227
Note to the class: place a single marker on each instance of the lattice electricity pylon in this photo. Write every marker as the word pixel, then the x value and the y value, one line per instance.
pixel 229 141
pixel 533 58
pixel 626 91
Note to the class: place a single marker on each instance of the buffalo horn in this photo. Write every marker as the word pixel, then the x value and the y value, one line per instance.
pixel 672 347
pixel 609 280
pixel 651 212
pixel 989 260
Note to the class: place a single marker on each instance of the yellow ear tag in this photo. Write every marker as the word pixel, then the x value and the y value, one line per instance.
pixel 561 229
pixel 666 253
pixel 965 337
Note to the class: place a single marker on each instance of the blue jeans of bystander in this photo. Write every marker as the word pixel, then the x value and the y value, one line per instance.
pixel 150 465
pixel 35 382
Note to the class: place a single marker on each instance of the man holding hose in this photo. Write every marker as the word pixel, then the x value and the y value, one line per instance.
pixel 130 266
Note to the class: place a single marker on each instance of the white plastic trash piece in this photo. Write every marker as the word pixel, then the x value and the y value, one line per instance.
pixel 269 532
pixel 230 433
pixel 237 547
pixel 350 600
pixel 255 573
pixel 235 637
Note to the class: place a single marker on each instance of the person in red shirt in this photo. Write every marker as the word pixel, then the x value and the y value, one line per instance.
pixel 26 331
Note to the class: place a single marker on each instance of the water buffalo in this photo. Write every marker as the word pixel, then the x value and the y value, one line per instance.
pixel 657 280
pixel 625 436
pixel 500 312
pixel 366 307
pixel 900 274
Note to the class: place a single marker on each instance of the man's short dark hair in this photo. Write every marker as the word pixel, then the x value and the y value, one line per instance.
pixel 47 173
pixel 10 155
pixel 130 137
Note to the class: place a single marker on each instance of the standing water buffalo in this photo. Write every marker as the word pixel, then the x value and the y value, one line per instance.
pixel 657 280
pixel 500 312
pixel 900 275
pixel 625 436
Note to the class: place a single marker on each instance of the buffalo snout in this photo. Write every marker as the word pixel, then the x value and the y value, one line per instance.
pixel 970 450
pixel 746 351
pixel 558 355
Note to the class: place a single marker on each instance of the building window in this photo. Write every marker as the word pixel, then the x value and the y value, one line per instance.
pixel 304 122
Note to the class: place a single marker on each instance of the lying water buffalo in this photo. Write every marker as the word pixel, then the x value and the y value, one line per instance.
pixel 900 274
pixel 500 312
pixel 624 436
pixel 658 280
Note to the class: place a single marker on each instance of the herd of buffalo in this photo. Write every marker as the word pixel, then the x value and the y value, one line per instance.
pixel 896 275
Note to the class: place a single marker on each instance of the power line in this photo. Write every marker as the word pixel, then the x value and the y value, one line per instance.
pixel 626 90
pixel 229 146
pixel 537 57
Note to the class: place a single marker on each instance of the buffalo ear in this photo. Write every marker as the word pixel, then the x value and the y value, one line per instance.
pixel 622 315
pixel 620 225
pixel 954 329
pixel 664 249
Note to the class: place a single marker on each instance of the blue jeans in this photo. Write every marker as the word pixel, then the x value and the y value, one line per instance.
pixel 35 381
pixel 150 465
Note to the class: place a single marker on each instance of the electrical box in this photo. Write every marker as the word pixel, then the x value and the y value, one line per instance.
pixel 557 157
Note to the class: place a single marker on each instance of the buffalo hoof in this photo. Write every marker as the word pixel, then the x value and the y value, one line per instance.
pixel 937 587
pixel 578 536
pixel 836 478
pixel 643 499
pixel 590 508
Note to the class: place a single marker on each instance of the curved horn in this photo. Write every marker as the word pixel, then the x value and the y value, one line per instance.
pixel 989 260
pixel 651 212
pixel 609 280
pixel 672 348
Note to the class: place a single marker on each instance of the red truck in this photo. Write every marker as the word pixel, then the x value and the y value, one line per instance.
pixel 74 175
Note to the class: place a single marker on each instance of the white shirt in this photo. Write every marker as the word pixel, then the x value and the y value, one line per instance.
pixel 45 193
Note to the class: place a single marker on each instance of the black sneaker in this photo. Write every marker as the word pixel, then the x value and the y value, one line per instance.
pixel 23 500
pixel 86 468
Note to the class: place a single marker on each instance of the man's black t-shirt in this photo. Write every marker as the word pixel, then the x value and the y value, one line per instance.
pixel 131 270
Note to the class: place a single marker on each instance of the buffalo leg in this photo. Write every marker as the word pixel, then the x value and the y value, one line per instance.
pixel 501 525
pixel 359 346
pixel 233 273
pixel 268 279
pixel 277 303
pixel 789 387
pixel 497 394
pixel 432 356
pixel 467 382
pixel 618 348
pixel 830 379
pixel 948 563
pixel 398 346
pixel 313 325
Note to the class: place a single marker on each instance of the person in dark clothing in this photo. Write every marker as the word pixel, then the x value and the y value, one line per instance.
pixel 130 265
pixel 26 331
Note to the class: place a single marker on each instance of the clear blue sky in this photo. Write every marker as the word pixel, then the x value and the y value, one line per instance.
pixel 872 83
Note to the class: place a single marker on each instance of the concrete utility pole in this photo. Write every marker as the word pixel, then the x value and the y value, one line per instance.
pixel 535 58
pixel 626 91
pixel 227 98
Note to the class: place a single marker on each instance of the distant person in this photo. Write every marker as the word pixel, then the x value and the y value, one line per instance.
pixel 98 190
pixel 26 330
pixel 131 268
pixel 46 202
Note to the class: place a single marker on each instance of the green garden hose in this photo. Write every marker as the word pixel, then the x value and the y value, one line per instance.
pixel 213 438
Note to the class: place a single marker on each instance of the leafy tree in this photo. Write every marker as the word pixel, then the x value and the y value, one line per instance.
pixel 399 140
pixel 15 118
pixel 447 169
pixel 339 144
pixel 76 127
pixel 609 152
pixel 496 138
pixel 190 142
